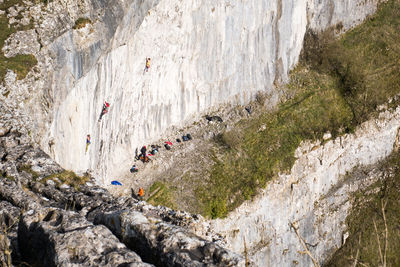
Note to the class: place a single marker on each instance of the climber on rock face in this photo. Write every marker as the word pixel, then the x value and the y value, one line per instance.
pixel 147 67
pixel 87 141
pixel 104 110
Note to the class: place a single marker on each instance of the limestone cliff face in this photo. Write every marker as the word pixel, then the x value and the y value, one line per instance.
pixel 315 197
pixel 204 53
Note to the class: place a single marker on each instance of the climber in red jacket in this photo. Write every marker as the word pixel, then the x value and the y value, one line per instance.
pixel 104 110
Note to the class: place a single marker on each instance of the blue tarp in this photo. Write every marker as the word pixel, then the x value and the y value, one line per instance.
pixel 115 183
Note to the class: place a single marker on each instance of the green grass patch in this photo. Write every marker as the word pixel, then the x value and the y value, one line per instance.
pixel 367 209
pixel 162 194
pixel 81 22
pixel 20 64
pixel 338 85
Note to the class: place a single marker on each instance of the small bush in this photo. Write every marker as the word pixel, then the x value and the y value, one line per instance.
pixel 20 64
pixel 217 208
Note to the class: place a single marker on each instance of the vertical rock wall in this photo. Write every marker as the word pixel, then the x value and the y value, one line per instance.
pixel 204 53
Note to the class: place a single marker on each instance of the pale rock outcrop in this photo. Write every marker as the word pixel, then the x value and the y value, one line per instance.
pixel 315 197
pixel 54 237
pixel 21 42
pixel 165 244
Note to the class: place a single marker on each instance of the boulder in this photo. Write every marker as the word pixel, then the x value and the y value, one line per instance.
pixel 55 237
pixel 164 244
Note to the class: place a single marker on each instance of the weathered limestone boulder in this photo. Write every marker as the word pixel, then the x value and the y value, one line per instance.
pixel 54 237
pixel 165 244
pixel 12 193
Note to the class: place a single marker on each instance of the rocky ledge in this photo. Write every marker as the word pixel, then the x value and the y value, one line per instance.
pixel 50 220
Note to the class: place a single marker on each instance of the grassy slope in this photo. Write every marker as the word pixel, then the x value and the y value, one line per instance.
pixel 161 193
pixel 20 64
pixel 367 209
pixel 253 156
pixel 335 89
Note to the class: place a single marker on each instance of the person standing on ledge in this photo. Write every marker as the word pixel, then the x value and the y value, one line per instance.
pixel 140 194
